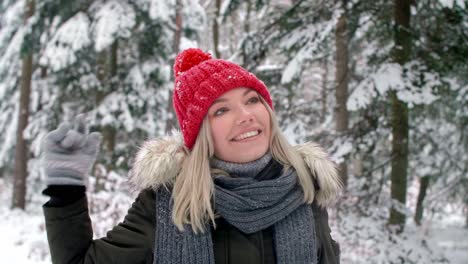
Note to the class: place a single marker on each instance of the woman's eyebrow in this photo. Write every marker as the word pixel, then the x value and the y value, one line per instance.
pixel 219 100
pixel 248 91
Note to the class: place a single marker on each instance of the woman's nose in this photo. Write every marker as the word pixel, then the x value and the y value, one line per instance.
pixel 244 115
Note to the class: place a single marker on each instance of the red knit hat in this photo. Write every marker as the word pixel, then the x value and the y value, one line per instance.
pixel 199 81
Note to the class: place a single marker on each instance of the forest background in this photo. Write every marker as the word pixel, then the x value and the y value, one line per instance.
pixel 382 85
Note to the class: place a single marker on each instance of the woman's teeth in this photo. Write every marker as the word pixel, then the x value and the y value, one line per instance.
pixel 246 135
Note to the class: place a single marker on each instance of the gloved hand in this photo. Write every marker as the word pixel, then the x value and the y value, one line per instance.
pixel 69 153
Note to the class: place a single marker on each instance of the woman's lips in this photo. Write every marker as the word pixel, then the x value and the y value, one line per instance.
pixel 247 135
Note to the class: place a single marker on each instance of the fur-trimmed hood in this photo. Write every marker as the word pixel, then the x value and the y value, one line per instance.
pixel 159 161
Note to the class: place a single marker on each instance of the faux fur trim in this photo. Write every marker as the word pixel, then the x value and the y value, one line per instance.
pixel 323 170
pixel 159 161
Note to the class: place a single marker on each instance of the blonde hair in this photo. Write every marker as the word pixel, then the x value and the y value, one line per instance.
pixel 194 188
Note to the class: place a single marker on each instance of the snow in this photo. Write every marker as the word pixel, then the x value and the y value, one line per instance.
pixel 116 103
pixel 71 37
pixel 23 239
pixel 7 60
pixel 291 70
pixel 452 239
pixel 139 73
pixel 452 3
pixel 194 15
pixel 11 38
pixel 413 83
pixel 341 149
pixel 114 19
pixel 10 132
pixel 224 7
pixel 186 43
pixel 162 10
pixel 361 96
pixel 319 31
pixel 442 237
pixel 389 76
pixel 23 243
pixel 11 20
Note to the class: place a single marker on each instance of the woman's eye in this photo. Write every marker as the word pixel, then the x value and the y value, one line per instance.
pixel 253 100
pixel 220 111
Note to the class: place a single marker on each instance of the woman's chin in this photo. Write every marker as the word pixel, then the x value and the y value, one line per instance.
pixel 246 156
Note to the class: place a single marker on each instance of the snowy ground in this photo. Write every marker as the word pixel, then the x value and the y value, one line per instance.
pixel 23 239
pixel 454 241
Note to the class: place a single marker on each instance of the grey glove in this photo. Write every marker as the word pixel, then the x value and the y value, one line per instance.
pixel 69 153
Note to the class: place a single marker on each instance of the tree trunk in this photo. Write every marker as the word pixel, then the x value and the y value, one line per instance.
pixel 399 118
pixel 358 167
pixel 107 65
pixel 43 72
pixel 101 74
pixel 113 62
pixel 21 150
pixel 423 184
pixel 466 215
pixel 324 90
pixel 246 27
pixel 341 94
pixel 171 121
pixel 106 70
pixel 232 35
pixel 179 24
pixel 247 17
pixel 399 159
pixel 216 29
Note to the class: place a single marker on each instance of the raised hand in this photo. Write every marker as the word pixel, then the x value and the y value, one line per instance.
pixel 69 152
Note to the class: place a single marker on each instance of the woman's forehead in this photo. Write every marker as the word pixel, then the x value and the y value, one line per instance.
pixel 244 90
pixel 229 95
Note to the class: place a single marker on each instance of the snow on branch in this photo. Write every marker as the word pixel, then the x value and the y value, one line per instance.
pixel 162 9
pixel 414 84
pixel 113 20
pixel 310 38
pixel 71 37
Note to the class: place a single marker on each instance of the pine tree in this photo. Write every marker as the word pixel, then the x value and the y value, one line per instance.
pixel 21 149
pixel 342 80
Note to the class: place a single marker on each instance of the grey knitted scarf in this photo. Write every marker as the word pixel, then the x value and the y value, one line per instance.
pixel 256 196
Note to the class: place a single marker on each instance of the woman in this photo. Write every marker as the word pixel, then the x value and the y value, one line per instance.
pixel 230 190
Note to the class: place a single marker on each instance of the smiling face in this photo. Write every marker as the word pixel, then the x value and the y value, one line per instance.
pixel 240 126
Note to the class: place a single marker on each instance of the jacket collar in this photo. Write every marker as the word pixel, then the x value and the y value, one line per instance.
pixel 159 161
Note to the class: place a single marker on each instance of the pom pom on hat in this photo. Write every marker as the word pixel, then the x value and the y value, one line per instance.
pixel 199 81
pixel 189 58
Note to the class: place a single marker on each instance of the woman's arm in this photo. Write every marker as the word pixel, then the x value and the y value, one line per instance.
pixel 69 232
pixel 328 250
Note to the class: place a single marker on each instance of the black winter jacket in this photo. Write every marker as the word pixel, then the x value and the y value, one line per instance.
pixel 69 233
